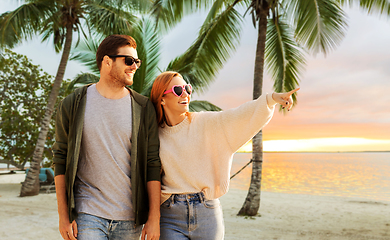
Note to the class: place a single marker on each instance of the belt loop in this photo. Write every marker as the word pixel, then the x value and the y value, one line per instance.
pixel 172 199
pixel 201 197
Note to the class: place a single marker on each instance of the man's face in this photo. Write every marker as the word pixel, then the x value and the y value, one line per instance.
pixel 121 73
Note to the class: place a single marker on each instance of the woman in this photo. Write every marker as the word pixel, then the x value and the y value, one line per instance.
pixel 196 151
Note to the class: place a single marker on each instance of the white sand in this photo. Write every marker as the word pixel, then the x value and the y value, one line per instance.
pixel 283 216
pixel 294 216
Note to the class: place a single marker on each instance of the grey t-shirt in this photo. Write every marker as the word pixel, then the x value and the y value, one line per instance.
pixel 102 186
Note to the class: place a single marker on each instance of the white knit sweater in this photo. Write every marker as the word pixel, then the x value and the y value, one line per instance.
pixel 196 155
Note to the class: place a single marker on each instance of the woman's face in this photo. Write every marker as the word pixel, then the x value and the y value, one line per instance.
pixel 173 104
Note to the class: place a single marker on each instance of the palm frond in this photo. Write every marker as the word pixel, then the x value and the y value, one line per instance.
pixel 197 106
pixel 52 28
pixel 346 2
pixel 320 24
pixel 61 15
pixel 240 3
pixel 85 53
pixel 256 7
pixel 8 37
pixel 284 58
pixel 168 13
pixel 219 5
pixel 148 48
pixel 372 6
pixel 110 19
pixel 23 22
pixel 215 9
pixel 81 80
pixel 139 6
pixel 216 40
pixel 85 34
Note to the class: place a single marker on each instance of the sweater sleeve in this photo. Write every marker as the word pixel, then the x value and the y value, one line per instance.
pixel 242 123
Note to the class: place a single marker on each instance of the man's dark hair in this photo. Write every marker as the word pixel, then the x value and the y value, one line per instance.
pixel 110 45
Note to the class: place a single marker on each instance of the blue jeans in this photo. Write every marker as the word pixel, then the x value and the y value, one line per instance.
pixel 96 228
pixel 191 216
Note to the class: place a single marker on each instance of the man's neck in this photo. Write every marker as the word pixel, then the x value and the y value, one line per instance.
pixel 111 91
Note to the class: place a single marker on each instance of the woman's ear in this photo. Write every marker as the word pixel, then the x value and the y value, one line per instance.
pixel 162 102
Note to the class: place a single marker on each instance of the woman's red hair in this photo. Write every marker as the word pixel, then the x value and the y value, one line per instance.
pixel 159 86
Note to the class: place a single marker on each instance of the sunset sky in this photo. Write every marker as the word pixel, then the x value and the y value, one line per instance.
pixel 344 101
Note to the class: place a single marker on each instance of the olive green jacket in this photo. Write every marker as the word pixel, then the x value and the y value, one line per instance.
pixel 145 160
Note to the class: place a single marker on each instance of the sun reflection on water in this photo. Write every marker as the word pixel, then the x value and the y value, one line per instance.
pixel 363 175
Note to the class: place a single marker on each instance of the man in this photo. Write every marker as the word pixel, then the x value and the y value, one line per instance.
pixel 106 153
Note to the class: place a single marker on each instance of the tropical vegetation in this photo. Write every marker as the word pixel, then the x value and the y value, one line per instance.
pixel 23 89
pixel 58 20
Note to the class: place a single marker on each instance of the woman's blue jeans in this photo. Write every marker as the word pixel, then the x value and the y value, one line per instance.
pixel 191 216
pixel 96 228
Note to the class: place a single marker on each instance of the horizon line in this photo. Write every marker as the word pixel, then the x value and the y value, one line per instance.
pixel 368 151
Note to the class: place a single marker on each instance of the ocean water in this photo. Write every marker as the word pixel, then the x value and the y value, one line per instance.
pixel 363 175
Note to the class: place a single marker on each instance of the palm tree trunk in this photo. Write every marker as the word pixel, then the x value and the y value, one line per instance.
pixel 252 201
pixel 30 186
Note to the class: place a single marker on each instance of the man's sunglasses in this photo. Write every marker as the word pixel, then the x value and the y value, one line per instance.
pixel 178 90
pixel 129 60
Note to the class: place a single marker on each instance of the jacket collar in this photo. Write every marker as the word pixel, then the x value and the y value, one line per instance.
pixel 140 99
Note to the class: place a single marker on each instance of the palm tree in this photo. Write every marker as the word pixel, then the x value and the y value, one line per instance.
pixel 198 65
pixel 58 19
pixel 286 30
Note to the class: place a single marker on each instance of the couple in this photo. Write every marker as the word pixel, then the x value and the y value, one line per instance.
pixel 110 181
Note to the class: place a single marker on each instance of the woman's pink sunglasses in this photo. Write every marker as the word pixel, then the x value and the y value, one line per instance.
pixel 178 90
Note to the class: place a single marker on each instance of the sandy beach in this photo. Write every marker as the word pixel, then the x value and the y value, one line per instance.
pixel 281 216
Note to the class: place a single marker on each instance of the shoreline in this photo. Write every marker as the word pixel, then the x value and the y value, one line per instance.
pixel 283 216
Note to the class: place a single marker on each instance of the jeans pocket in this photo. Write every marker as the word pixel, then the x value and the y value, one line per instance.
pixel 211 203
pixel 167 203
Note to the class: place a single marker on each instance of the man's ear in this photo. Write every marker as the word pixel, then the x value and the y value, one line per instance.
pixel 107 61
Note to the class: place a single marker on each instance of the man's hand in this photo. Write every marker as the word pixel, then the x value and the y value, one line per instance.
pixel 68 230
pixel 284 99
pixel 151 230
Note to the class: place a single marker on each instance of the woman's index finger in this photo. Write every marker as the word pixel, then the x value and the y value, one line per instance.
pixel 293 91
